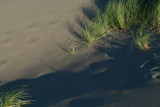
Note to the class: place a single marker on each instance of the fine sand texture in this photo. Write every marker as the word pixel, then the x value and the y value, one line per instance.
pixel 31 32
pixel 108 73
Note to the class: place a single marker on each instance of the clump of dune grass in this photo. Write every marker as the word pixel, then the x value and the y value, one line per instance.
pixel 149 12
pixel 156 14
pixel 88 34
pixel 131 14
pixel 122 14
pixel 126 15
pixel 14 98
pixel 114 15
pixel 142 40
pixel 132 18
pixel 94 29
pixel 148 8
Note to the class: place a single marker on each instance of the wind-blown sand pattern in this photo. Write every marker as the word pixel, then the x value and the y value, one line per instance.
pixel 31 35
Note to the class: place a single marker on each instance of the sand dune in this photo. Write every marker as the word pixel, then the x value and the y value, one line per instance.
pixel 109 75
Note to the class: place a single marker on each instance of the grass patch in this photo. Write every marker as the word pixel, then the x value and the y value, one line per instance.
pixel 14 98
pixel 114 15
pixel 139 16
pixel 142 40
pixel 125 15
pixel 94 29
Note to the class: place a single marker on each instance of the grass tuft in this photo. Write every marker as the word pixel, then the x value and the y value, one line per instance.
pixel 69 48
pixel 94 29
pixel 114 16
pixel 142 40
pixel 14 98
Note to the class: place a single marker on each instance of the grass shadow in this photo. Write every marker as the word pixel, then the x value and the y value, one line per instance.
pixel 73 31
pixel 89 11
pixel 101 4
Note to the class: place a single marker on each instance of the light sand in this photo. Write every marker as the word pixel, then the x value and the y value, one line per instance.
pixel 31 31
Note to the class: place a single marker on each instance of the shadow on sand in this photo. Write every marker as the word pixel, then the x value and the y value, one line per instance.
pixel 89 88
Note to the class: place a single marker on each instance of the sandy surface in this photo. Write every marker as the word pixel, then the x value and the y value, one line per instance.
pixel 31 31
pixel 100 75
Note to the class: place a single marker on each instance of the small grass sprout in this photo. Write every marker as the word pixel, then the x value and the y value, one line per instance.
pixel 69 48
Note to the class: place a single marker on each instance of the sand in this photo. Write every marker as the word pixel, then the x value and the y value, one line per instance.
pixel 31 32
pixel 101 75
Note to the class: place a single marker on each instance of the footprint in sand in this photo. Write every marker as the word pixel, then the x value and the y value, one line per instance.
pixel 31 40
pixel 3 62
pixel 5 41
pixel 51 12
pixel 9 32
pixel 32 27
pixel 52 22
